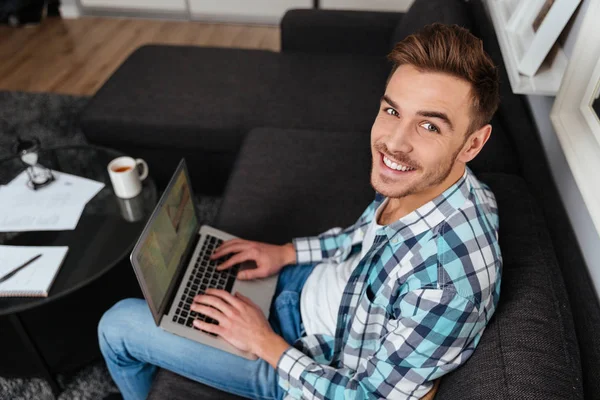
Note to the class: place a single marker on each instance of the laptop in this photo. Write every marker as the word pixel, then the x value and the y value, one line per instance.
pixel 172 265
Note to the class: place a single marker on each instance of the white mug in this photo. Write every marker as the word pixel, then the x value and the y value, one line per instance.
pixel 126 177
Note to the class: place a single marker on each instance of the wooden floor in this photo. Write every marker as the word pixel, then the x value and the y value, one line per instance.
pixel 76 56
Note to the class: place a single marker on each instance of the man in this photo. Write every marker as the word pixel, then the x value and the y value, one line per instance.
pixel 384 307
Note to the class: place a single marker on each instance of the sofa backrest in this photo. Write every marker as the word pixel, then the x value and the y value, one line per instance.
pixel 425 12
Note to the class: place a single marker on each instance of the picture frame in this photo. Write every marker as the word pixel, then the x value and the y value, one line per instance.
pixel 540 23
pixel 573 116
pixel 513 22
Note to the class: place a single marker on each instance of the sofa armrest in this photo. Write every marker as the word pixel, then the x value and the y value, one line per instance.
pixel 336 31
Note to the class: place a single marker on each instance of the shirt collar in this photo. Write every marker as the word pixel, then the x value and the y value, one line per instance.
pixel 430 214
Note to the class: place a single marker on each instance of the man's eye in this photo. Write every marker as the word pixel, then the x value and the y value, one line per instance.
pixel 391 111
pixel 431 127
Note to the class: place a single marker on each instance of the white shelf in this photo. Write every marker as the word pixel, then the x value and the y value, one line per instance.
pixel 367 5
pixel 547 79
pixel 152 5
pixel 244 11
pixel 236 11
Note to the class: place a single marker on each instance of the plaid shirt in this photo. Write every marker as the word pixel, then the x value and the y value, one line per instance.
pixel 414 308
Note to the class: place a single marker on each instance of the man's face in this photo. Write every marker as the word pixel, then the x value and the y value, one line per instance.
pixel 420 130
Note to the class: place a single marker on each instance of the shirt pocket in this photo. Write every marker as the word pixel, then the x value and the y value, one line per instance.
pixel 378 303
pixel 370 321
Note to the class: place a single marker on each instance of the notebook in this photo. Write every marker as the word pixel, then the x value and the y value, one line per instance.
pixel 35 279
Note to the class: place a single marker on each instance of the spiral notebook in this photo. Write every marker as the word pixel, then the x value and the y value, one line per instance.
pixel 35 279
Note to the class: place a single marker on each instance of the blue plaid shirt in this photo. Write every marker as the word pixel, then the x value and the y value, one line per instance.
pixel 414 308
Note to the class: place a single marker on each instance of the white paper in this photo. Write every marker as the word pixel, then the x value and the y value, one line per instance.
pixel 55 207
pixel 37 276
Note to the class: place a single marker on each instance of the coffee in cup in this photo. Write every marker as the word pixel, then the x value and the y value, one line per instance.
pixel 121 169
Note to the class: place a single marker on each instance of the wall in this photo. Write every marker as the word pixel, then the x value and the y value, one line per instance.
pixel 70 9
pixel 244 11
pixel 588 237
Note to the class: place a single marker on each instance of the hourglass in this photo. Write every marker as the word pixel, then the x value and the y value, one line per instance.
pixel 27 150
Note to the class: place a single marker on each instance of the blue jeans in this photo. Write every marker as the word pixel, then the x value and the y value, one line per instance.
pixel 133 347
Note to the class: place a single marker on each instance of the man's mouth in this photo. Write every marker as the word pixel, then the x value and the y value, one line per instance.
pixel 396 166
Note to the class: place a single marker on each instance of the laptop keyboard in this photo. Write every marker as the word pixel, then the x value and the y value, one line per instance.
pixel 204 276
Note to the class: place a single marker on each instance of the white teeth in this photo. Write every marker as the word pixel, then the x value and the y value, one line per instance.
pixel 395 166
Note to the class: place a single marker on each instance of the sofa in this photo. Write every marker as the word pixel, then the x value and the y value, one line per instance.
pixel 283 137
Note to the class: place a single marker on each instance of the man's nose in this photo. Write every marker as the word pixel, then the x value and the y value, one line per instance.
pixel 400 139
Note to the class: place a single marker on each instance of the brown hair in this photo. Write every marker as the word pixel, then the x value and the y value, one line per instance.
pixel 453 50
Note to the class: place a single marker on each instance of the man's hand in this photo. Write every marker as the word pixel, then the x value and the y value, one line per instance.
pixel 269 258
pixel 241 323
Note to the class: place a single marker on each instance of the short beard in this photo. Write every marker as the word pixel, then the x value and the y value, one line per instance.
pixel 428 181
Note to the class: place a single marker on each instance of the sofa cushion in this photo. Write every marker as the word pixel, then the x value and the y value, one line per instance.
pixel 425 12
pixel 338 31
pixel 295 183
pixel 171 95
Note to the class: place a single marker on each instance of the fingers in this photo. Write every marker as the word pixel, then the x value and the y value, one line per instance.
pixel 249 274
pixel 213 304
pixel 225 247
pixel 209 312
pixel 208 327
pixel 244 298
pixel 237 259
pixel 203 302
pixel 233 248
pixel 226 297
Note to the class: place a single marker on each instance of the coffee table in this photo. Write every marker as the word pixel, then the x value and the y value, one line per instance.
pixel 105 235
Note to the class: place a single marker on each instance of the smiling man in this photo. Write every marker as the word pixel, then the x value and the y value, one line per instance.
pixel 384 307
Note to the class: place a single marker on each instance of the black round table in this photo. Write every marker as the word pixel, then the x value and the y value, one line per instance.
pixel 105 234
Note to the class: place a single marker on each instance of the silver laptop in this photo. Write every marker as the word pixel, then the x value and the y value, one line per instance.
pixel 172 265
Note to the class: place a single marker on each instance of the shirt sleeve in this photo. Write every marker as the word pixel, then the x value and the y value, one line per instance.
pixel 436 332
pixel 318 248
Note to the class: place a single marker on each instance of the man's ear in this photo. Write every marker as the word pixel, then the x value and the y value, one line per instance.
pixel 475 143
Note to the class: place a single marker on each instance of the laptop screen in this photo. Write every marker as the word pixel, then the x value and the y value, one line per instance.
pixel 167 236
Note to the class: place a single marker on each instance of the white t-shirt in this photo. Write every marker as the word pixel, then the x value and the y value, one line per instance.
pixel 322 293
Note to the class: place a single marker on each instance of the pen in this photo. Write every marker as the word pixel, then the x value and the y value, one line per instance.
pixel 14 271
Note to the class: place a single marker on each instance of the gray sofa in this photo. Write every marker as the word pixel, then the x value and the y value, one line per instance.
pixel 289 134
